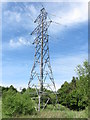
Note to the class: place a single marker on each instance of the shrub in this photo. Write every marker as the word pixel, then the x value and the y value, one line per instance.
pixel 15 103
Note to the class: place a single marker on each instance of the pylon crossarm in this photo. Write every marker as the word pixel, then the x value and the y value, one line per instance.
pixel 38 19
pixel 37 29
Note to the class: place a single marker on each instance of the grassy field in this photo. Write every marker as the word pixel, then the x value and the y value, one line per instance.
pixel 51 112
pixel 58 114
pixel 62 113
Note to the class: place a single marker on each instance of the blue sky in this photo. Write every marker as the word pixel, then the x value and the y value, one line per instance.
pixel 68 42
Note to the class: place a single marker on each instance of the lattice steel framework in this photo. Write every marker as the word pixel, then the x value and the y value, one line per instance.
pixel 41 70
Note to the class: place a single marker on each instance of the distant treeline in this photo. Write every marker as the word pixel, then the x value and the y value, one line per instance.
pixel 73 95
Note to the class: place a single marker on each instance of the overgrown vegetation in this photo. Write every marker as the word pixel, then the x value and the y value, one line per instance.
pixel 15 103
pixel 63 112
pixel 73 95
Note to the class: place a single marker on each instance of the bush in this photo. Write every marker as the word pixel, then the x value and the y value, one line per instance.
pixel 15 104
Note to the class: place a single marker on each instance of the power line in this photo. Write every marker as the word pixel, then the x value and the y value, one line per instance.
pixel 26 11
pixel 55 21
pixel 56 37
pixel 59 23
pixel 55 15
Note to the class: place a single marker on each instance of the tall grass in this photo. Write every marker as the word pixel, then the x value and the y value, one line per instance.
pixel 62 112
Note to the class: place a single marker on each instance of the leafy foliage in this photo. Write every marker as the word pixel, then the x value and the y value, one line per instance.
pixel 15 103
pixel 74 95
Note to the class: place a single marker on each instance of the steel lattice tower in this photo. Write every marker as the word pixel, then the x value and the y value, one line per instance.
pixel 42 69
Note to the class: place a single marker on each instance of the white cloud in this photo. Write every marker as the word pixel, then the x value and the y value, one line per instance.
pixel 12 16
pixel 20 42
pixel 77 14
pixel 32 9
pixel 73 15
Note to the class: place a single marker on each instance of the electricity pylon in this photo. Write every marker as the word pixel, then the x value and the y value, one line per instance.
pixel 42 69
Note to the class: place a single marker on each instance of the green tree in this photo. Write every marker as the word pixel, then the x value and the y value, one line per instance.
pixel 75 94
pixel 83 70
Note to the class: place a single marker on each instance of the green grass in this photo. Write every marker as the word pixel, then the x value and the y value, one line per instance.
pixel 53 112
pixel 64 112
